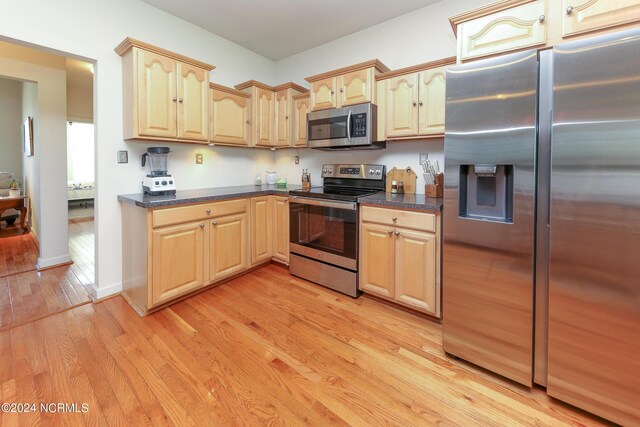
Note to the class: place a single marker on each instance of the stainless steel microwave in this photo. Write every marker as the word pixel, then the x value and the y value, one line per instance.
pixel 347 128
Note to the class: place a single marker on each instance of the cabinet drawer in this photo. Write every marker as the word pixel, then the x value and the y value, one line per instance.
pixel 182 214
pixel 408 219
pixel 510 29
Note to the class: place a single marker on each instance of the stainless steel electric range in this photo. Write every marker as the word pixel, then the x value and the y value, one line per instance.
pixel 324 226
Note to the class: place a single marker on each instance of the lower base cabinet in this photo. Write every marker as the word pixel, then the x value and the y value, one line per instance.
pixel 400 257
pixel 171 252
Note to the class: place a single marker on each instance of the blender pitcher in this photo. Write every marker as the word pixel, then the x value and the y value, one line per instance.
pixel 157 160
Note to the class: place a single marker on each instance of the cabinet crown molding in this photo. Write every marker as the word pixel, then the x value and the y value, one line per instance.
pixel 484 10
pixel 375 63
pixel 251 83
pixel 230 90
pixel 290 85
pixel 128 43
pixel 306 94
pixel 417 68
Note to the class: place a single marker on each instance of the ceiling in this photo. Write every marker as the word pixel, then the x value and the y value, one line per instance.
pixel 79 74
pixel 280 28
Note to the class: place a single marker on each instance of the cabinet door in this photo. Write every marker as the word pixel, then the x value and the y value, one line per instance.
pixel 377 258
pixel 323 94
pixel 355 87
pixel 415 275
pixel 402 106
pixel 157 95
pixel 281 229
pixel 263 118
pixel 229 118
pixel 193 104
pixel 432 100
pixel 227 246
pixel 282 113
pixel 581 16
pixel 261 229
pixel 177 261
pixel 510 29
pixel 300 122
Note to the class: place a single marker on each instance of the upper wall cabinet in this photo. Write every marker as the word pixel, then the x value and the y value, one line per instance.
pixel 229 114
pixel 301 108
pixel 581 16
pixel 411 101
pixel 165 94
pixel 510 25
pixel 345 86
pixel 271 113
pixel 506 30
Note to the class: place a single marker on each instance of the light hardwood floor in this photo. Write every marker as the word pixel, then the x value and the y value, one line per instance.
pixel 263 349
pixel 27 295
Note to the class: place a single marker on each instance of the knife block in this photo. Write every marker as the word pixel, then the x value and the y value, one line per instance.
pixel 435 190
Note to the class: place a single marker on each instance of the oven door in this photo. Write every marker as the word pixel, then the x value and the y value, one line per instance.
pixel 325 230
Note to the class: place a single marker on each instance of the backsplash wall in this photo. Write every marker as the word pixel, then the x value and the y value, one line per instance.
pixel 398 154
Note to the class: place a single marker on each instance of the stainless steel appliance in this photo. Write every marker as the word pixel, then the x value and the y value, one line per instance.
pixel 323 225
pixel 158 181
pixel 542 220
pixel 347 128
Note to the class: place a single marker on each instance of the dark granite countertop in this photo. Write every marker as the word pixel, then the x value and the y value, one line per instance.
pixel 203 195
pixel 404 201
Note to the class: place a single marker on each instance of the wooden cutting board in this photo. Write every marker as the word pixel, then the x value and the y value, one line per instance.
pixel 406 175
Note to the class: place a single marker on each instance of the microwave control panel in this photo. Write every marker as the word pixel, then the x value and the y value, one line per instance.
pixel 359 125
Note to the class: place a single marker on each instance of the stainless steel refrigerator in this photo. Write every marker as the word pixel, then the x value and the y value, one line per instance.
pixel 542 220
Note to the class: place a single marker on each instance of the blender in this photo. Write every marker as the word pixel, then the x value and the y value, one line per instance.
pixel 158 181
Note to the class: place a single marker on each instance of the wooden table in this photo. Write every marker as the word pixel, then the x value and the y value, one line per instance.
pixel 18 203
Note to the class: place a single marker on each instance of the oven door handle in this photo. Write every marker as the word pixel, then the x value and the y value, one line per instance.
pixel 349 126
pixel 350 206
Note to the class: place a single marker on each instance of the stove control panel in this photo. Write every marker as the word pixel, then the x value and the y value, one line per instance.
pixel 375 172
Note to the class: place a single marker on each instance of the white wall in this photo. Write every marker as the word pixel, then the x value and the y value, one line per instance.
pixel 79 104
pixel 421 36
pixel 10 127
pixel 91 30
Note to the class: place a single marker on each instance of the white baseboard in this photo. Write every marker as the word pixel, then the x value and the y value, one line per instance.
pixel 105 291
pixel 43 263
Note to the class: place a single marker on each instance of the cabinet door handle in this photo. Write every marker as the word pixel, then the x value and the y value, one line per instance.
pixel 397 233
pixel 332 92
pixel 286 117
pixel 569 10
pixel 414 103
pixel 390 232
pixel 180 100
pixel 420 103
pixel 248 122
pixel 202 225
pixel 175 99
pixel 394 219
pixel 341 90
pixel 541 18
pixel 208 211
pixel 214 222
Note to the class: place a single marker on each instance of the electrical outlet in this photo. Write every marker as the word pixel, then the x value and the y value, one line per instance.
pixel 199 159
pixel 423 157
pixel 296 159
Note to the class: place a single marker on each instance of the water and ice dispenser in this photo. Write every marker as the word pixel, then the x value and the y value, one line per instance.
pixel 486 192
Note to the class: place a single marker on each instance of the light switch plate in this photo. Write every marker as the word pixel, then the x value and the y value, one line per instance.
pixel 296 159
pixel 123 156
pixel 199 159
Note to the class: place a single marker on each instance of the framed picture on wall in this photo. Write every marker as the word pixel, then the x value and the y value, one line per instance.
pixel 27 136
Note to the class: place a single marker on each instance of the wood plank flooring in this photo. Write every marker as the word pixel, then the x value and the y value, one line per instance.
pixel 263 349
pixel 27 295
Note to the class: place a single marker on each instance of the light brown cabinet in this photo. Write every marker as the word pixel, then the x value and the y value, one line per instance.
pixel 400 257
pixel 301 108
pixel 272 113
pixel 412 101
pixel 177 261
pixel 261 229
pixel 583 16
pixel 345 86
pixel 228 246
pixel 165 95
pixel 281 229
pixel 229 116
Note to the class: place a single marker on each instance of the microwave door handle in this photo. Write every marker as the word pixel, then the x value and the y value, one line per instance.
pixel 349 126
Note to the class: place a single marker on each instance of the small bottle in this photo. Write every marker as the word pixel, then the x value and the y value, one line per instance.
pixel 258 179
pixel 400 187
pixel 394 186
